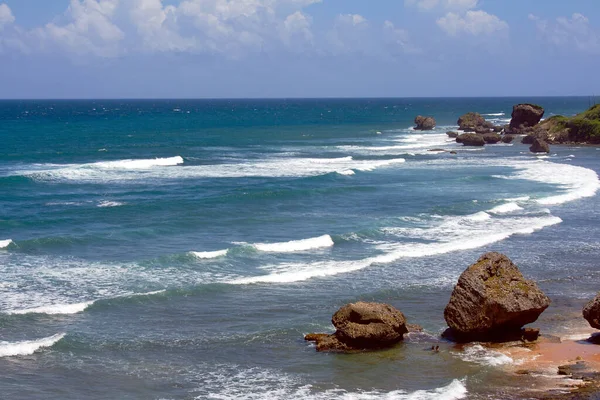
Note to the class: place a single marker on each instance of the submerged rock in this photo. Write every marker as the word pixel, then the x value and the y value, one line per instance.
pixel 591 312
pixel 362 326
pixel 424 123
pixel 452 134
pixel 539 146
pixel 471 139
pixel 492 300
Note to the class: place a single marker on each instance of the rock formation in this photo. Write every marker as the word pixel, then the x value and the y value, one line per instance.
pixel 591 312
pixel 424 123
pixel 492 300
pixel 362 326
pixel 525 116
pixel 492 138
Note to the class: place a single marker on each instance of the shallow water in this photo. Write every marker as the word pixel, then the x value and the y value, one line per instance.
pixel 152 253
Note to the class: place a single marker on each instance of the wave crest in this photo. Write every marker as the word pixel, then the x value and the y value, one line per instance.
pixel 27 347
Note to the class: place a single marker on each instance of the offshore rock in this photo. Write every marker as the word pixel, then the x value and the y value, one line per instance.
pixel 452 134
pixel 471 139
pixel 492 138
pixel 492 300
pixel 363 326
pixel 524 116
pixel 424 123
pixel 507 138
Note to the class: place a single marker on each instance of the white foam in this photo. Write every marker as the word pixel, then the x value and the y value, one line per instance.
pixel 5 243
pixel 480 216
pixel 110 204
pixel 500 114
pixel 506 208
pixel 482 356
pixel 55 309
pixel 346 172
pixel 255 383
pixel 209 254
pixel 296 245
pixel 138 164
pixel 576 182
pixel 145 170
pixel 10 349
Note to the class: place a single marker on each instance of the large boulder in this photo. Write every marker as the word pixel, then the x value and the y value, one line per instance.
pixel 471 139
pixel 591 312
pixel 539 146
pixel 363 326
pixel 492 300
pixel 525 115
pixel 470 121
pixel 424 123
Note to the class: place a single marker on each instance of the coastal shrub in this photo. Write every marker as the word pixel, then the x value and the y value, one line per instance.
pixel 592 114
pixel 585 130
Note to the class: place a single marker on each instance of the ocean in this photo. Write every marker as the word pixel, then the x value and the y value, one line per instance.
pixel 181 249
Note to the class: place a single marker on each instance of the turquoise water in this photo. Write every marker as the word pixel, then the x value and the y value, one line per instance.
pixel 180 249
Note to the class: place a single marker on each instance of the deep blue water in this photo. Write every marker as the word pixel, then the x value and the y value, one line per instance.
pixel 180 249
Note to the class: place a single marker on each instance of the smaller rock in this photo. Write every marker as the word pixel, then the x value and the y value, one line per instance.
pixel 507 138
pixel 453 152
pixel 539 146
pixel 470 121
pixel 530 334
pixel 482 130
pixel 424 123
pixel 452 134
pixel 314 337
pixel 471 139
pixel 528 139
pixel 437 150
pixel 497 129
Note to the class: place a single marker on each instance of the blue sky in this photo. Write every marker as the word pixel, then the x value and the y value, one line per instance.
pixel 298 48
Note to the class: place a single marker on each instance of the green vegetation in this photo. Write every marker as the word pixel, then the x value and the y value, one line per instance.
pixel 584 127
pixel 584 130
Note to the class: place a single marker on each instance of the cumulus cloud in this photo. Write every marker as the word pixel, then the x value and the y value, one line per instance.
pixel 428 5
pixel 569 33
pixel 349 34
pixel 6 15
pixel 472 22
pixel 89 29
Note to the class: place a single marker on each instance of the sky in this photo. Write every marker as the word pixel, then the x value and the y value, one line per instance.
pixel 298 48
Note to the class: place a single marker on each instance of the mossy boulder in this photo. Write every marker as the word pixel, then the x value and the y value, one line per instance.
pixel 470 121
pixel 492 300
pixel 363 326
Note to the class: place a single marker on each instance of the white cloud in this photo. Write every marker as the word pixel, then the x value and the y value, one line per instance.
pixel 473 22
pixel 296 30
pixel 569 33
pixel 6 15
pixel 90 28
pixel 398 39
pixel 428 5
pixel 349 34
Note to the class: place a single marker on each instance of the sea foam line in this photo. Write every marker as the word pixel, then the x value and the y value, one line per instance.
pixel 209 254
pixel 296 245
pixel 27 347
pixel 56 309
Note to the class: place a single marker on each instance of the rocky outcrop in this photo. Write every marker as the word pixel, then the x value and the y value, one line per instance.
pixel 471 139
pixel 363 326
pixel 493 300
pixel 539 146
pixel 492 138
pixel 470 121
pixel 424 123
pixel 591 312
pixel 525 116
